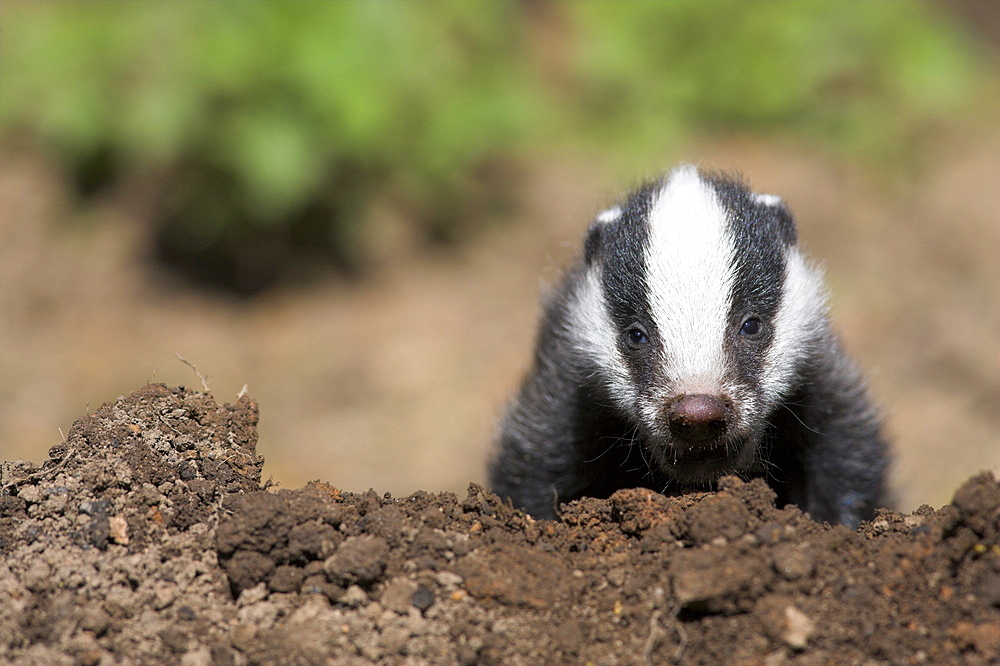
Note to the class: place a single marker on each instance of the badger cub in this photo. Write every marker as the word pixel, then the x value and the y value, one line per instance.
pixel 689 341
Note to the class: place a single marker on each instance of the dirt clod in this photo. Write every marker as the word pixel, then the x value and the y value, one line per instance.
pixel 146 537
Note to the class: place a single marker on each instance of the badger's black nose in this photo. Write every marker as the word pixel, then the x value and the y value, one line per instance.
pixel 697 417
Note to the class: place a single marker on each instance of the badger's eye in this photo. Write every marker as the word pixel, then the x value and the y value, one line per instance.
pixel 751 326
pixel 636 335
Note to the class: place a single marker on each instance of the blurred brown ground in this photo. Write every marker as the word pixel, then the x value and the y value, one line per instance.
pixel 395 383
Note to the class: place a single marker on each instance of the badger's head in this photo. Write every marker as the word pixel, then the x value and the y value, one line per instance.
pixel 697 309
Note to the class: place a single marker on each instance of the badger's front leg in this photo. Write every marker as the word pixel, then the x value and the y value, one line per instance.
pixel 829 443
pixel 559 442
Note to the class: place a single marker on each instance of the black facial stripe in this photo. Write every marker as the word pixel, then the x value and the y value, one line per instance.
pixel 623 256
pixel 760 236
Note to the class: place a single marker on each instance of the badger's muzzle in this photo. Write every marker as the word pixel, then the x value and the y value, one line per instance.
pixel 697 418
pixel 698 437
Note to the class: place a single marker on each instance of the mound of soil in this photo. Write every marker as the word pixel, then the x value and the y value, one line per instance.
pixel 147 537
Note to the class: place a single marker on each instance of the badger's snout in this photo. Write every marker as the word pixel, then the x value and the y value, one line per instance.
pixel 697 417
pixel 702 438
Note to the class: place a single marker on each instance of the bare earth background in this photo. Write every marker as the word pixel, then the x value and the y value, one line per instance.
pixel 395 383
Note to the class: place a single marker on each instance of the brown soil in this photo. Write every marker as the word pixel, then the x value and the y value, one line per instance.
pixel 146 538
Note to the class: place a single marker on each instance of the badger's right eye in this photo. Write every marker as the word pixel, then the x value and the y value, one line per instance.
pixel 636 336
pixel 751 327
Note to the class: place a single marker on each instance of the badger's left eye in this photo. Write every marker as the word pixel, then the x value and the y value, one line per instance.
pixel 636 335
pixel 751 326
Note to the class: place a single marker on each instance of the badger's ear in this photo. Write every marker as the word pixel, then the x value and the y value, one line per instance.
pixel 596 231
pixel 781 215
pixel 593 241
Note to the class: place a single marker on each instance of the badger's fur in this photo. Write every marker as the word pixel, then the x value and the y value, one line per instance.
pixel 691 340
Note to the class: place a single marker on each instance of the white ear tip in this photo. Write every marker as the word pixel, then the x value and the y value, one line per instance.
pixel 609 215
pixel 768 199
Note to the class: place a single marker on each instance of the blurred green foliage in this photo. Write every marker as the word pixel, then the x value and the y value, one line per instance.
pixel 861 77
pixel 273 128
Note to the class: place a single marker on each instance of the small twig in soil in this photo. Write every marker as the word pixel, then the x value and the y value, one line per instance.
pixel 241 459
pixel 163 419
pixel 204 378
pixel 682 637
pixel 655 633
pixel 42 473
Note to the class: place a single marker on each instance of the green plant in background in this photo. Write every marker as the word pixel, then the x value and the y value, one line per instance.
pixel 275 130
pixel 863 78
pixel 272 125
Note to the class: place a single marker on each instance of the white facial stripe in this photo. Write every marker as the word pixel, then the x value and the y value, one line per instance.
pixel 801 317
pixel 609 215
pixel 767 199
pixel 595 336
pixel 689 261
